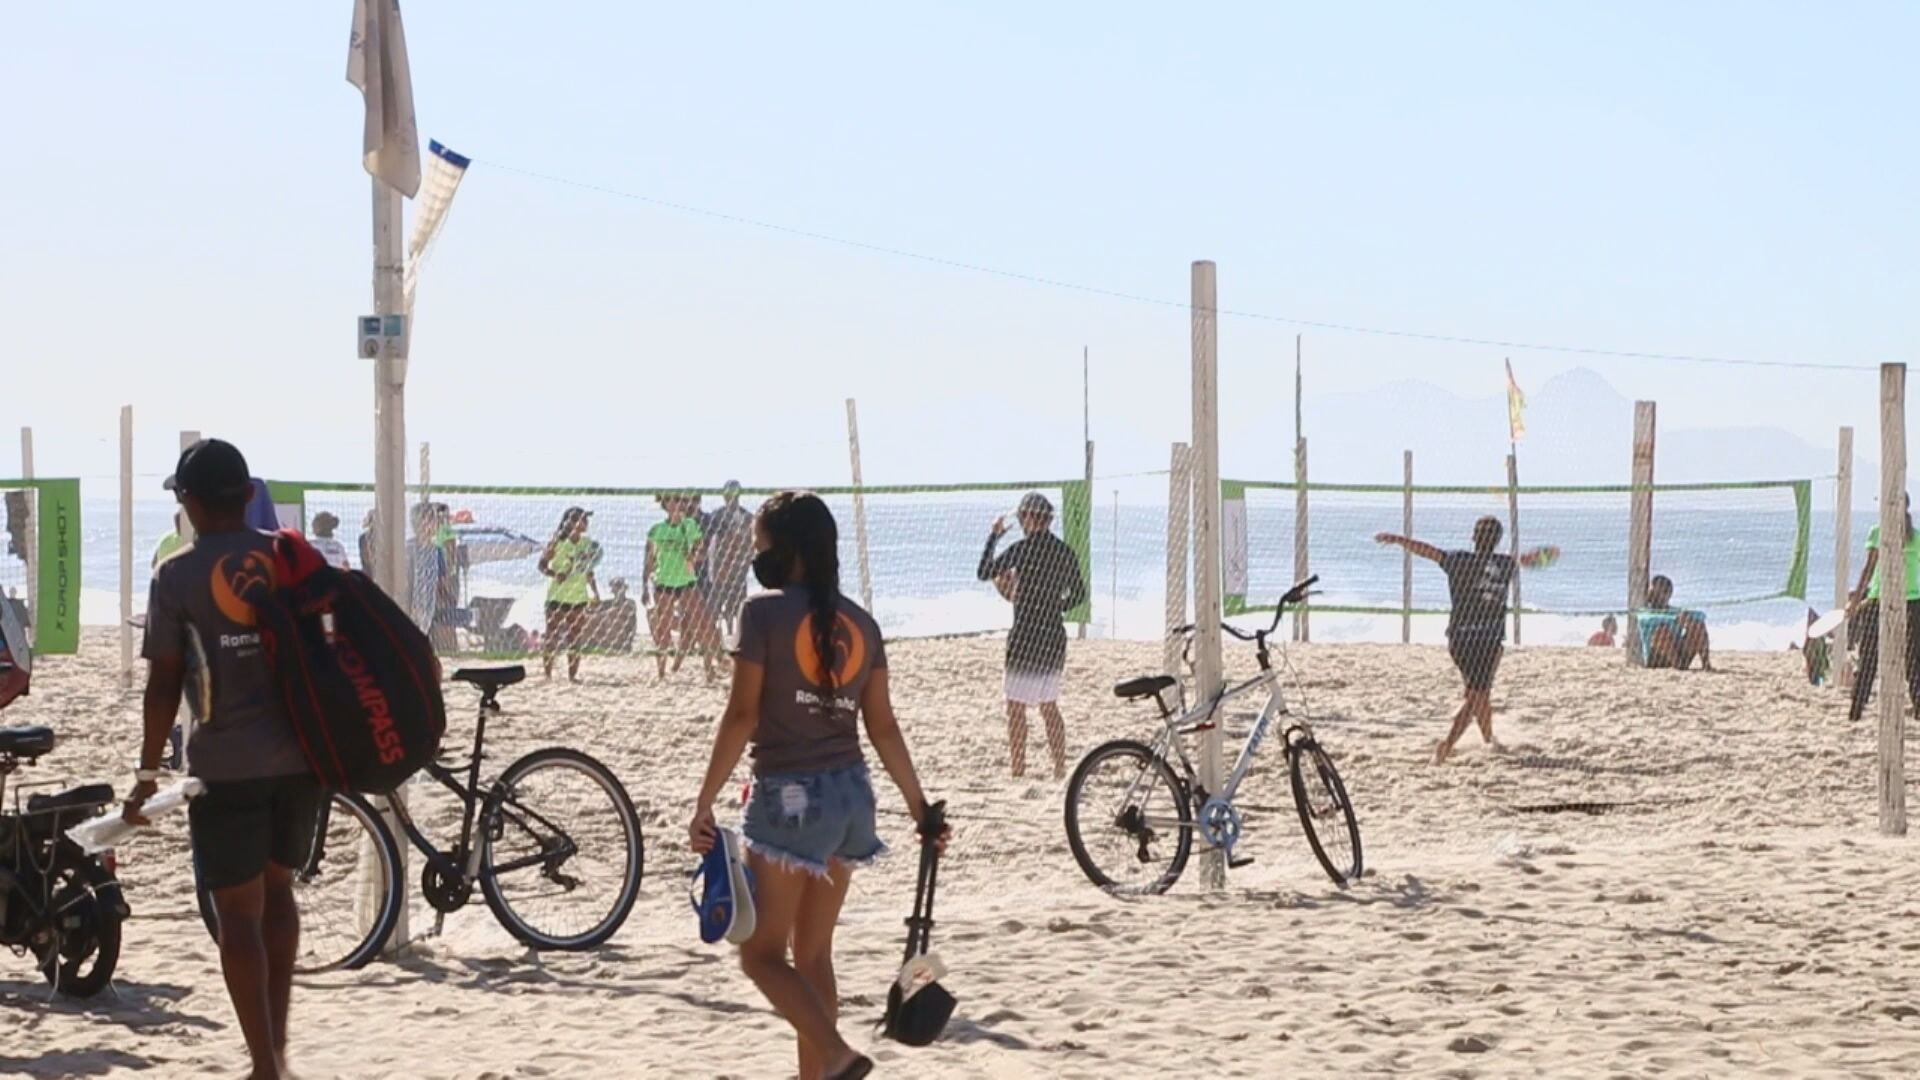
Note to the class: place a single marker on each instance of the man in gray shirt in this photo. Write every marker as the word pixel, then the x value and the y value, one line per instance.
pixel 254 825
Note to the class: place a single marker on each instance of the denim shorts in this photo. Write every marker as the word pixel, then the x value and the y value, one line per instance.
pixel 806 820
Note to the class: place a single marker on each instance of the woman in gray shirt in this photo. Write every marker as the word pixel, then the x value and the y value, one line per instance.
pixel 810 665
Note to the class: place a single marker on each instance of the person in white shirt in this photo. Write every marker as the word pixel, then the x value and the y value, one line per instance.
pixel 324 542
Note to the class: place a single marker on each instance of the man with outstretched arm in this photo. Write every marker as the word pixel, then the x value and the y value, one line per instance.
pixel 1479 582
pixel 254 824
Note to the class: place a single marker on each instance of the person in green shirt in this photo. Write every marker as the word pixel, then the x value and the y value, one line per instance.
pixel 572 589
pixel 1864 625
pixel 675 548
pixel 169 543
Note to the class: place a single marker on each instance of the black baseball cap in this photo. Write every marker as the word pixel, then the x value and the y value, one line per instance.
pixel 210 468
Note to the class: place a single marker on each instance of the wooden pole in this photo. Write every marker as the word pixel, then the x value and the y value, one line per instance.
pixel 1640 525
pixel 1892 773
pixel 1842 552
pixel 1086 435
pixel 1207 669
pixel 126 547
pixel 1513 531
pixel 1179 528
pixel 1406 554
pixel 1111 618
pixel 426 472
pixel 859 507
pixel 1301 628
pixel 1113 604
pixel 33 537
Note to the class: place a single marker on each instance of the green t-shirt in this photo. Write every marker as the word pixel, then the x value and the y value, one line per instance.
pixel 168 544
pixel 573 560
pixel 1913 565
pixel 673 552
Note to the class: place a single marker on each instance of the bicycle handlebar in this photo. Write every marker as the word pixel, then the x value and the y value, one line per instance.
pixel 1293 596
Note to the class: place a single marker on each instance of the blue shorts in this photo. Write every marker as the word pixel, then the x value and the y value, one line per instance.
pixel 806 820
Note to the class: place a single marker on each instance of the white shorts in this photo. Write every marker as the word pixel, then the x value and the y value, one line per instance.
pixel 1034 687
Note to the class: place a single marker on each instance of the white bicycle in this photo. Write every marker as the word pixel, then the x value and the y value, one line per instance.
pixel 1133 807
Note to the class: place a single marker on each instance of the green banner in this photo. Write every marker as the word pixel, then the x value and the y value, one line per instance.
pixel 1077 519
pixel 56 596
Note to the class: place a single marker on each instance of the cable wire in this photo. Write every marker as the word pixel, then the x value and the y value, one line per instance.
pixel 1115 294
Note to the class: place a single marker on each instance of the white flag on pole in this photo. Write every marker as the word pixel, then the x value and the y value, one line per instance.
pixel 377 65
pixel 445 169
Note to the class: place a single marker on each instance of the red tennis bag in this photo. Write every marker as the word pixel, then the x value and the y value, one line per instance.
pixel 359 681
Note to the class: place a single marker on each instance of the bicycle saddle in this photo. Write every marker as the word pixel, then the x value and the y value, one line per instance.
pixel 1144 686
pixel 26 742
pixel 84 797
pixel 491 678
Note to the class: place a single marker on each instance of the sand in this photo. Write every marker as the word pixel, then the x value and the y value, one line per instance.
pixel 1734 914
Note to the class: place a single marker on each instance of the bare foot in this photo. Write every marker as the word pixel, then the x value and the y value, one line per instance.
pixel 1495 746
pixel 1440 753
pixel 854 1067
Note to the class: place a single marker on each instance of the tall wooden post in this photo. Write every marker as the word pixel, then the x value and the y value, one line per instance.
pixel 1842 553
pixel 1207 670
pixel 126 547
pixel 1892 772
pixel 1301 556
pixel 1640 527
pixel 1406 554
pixel 1179 528
pixel 859 507
pixel 1513 533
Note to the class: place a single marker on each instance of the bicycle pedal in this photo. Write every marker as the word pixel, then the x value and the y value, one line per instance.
pixel 1237 863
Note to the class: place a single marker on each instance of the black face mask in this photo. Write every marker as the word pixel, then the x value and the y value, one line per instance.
pixel 770 569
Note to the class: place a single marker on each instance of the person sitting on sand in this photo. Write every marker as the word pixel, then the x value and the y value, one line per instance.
pixel 1864 627
pixel 1674 638
pixel 809 663
pixel 1479 582
pixel 1604 638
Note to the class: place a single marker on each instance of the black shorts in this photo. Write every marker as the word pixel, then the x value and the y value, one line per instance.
pixel 1477 659
pixel 239 826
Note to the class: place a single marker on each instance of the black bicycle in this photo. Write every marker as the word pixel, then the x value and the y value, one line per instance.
pixel 554 845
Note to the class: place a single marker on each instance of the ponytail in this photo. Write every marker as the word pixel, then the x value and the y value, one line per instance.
pixel 799 525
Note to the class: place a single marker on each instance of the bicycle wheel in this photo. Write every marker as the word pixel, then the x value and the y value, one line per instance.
pixel 1127 819
pixel 561 854
pixel 79 956
pixel 349 892
pixel 1325 811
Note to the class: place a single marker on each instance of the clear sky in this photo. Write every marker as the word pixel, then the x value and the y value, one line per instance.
pixel 187 224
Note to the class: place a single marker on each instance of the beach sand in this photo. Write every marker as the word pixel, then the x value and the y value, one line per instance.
pixel 1735 914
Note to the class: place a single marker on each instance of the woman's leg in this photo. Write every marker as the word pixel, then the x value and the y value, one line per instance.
pixel 1869 666
pixel 1016 738
pixel 1913 654
pixel 1056 737
pixel 660 624
pixel 778 893
pixel 820 903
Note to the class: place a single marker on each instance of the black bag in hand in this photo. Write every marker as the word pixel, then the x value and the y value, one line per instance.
pixel 918 1007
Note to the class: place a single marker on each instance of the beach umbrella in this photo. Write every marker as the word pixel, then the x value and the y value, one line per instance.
pixel 492 543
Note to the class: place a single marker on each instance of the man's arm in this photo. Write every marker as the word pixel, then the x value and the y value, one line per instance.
pixel 991 567
pixel 1417 547
pixel 166 677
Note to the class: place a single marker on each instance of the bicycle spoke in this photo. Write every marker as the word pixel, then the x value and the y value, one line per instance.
pixel 561 852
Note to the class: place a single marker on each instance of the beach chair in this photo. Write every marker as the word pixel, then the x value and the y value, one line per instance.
pixel 489 624
pixel 1646 622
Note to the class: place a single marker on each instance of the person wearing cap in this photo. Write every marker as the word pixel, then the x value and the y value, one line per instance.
pixel 1041 576
pixel 327 544
pixel 572 590
pixel 433 591
pixel 254 824
pixel 729 532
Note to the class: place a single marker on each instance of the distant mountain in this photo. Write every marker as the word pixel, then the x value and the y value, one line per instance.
pixel 1579 431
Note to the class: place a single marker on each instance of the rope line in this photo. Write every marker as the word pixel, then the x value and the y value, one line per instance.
pixel 1115 294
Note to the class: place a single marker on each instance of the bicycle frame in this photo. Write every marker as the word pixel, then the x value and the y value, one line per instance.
pixel 1168 745
pixel 471 796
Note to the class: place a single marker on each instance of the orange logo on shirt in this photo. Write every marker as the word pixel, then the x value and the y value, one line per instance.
pixel 231 585
pixel 849 651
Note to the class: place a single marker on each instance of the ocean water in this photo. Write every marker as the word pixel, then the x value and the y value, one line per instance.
pixel 1719 548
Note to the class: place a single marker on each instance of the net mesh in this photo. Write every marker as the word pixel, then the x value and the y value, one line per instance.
pixel 498 571
pixel 17 549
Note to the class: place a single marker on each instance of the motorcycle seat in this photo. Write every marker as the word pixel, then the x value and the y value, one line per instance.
pixel 84 797
pixel 26 742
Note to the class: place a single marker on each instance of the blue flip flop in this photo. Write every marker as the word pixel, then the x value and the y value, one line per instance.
pixel 723 893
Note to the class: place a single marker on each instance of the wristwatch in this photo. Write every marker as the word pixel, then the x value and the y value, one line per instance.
pixel 143 776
